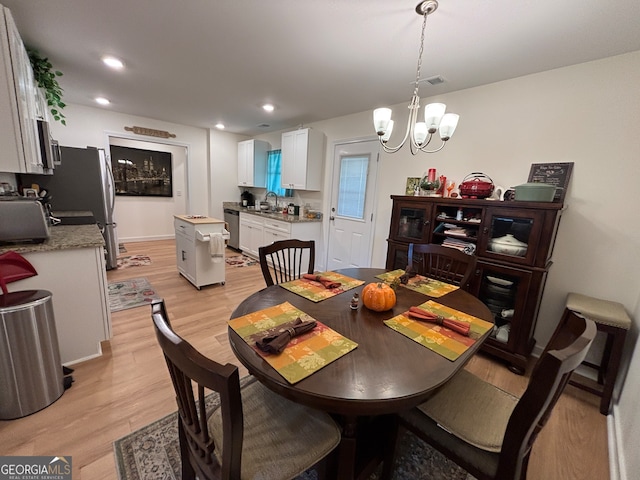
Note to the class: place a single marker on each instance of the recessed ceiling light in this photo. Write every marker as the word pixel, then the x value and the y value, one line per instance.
pixel 102 101
pixel 220 126
pixel 113 62
pixel 267 107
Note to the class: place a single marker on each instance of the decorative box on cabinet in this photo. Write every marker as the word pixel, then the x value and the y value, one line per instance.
pixel 252 163
pixel 18 103
pixel 302 155
pixel 510 283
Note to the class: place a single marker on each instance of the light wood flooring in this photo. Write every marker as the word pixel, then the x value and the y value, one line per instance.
pixel 128 386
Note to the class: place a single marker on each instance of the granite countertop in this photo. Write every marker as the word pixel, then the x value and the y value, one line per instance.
pixel 272 215
pixel 63 237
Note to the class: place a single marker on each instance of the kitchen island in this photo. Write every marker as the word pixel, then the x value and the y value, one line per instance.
pixel 71 265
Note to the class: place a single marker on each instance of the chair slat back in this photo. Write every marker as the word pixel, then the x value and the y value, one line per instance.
pixel 442 263
pixel 564 353
pixel 285 260
pixel 191 370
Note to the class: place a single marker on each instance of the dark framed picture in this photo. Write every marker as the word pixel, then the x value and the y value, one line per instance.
pixel 139 172
pixel 556 174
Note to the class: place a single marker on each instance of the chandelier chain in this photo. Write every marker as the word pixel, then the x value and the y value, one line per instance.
pixel 420 52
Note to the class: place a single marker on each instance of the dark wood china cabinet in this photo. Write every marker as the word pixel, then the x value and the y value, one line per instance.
pixel 513 242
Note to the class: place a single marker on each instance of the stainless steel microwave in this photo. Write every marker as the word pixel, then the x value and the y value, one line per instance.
pixel 49 148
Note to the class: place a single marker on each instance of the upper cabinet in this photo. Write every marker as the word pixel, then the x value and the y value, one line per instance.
pixel 302 155
pixel 18 103
pixel 252 163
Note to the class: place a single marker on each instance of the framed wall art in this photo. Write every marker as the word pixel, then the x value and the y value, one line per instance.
pixel 139 172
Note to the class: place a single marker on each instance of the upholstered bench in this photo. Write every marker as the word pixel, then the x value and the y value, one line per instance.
pixel 612 319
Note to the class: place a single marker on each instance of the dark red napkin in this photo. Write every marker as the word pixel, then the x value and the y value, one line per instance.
pixel 326 282
pixel 275 342
pixel 462 328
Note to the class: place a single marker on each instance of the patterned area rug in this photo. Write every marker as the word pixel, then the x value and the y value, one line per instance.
pixel 240 261
pixel 133 261
pixel 154 452
pixel 130 293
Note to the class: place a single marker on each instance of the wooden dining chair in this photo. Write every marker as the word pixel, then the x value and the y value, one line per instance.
pixel 442 263
pixel 287 260
pixel 488 431
pixel 250 432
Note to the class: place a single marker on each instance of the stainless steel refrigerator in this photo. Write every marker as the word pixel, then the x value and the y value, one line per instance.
pixel 83 182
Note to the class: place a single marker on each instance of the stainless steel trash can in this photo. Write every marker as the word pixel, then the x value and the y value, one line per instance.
pixel 30 370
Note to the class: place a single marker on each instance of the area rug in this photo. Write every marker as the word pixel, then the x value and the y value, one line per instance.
pixel 154 452
pixel 130 293
pixel 133 261
pixel 240 261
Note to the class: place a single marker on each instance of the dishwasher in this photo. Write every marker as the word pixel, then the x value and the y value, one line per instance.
pixel 232 217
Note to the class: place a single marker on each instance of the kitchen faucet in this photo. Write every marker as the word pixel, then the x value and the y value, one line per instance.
pixel 272 194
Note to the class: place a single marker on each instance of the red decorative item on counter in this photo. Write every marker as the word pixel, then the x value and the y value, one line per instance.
pixel 476 185
pixel 431 176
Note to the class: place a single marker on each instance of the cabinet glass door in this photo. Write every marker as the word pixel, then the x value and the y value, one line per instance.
pixel 411 223
pixel 504 290
pixel 511 235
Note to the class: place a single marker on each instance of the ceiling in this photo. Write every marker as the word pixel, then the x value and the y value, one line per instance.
pixel 199 62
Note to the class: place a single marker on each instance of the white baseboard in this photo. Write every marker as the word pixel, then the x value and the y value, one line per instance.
pixel 145 239
pixel 616 455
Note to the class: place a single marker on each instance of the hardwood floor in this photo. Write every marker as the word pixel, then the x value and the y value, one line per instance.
pixel 128 386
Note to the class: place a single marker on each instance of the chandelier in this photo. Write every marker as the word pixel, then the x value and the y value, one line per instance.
pixel 435 118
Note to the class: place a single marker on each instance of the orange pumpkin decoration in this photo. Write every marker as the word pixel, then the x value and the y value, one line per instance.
pixel 378 297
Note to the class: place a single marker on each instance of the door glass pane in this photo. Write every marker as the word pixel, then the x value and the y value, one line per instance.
pixel 353 186
pixel 510 236
pixel 411 224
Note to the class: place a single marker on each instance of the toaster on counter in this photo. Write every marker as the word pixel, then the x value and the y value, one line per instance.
pixel 23 220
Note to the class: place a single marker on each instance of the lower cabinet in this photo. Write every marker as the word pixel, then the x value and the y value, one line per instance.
pixel 513 295
pixel 251 234
pixel 257 230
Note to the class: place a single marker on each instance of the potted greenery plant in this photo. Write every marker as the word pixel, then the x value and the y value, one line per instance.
pixel 46 77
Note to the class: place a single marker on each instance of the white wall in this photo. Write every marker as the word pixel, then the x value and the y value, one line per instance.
pixel 147 218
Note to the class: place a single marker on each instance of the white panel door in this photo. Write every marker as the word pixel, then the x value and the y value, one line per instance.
pixel 352 201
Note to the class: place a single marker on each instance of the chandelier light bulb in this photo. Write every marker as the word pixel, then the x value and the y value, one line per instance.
pixel 448 125
pixel 381 119
pixel 387 133
pixel 420 133
pixel 433 113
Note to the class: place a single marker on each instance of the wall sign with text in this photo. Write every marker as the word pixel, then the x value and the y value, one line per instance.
pixel 556 174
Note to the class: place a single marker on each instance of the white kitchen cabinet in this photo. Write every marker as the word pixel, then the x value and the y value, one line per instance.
pixel 251 233
pixel 193 252
pixel 302 157
pixel 257 230
pixel 252 163
pixel 18 103
pixel 77 279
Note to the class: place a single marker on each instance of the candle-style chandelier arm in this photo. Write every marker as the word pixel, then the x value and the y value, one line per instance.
pixel 419 134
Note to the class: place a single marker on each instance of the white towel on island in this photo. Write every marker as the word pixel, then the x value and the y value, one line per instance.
pixel 216 247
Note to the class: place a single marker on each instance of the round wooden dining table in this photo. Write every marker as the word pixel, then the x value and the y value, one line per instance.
pixel 385 374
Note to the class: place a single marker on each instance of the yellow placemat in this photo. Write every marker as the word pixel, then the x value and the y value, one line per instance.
pixel 305 354
pixel 316 292
pixel 419 283
pixel 440 339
